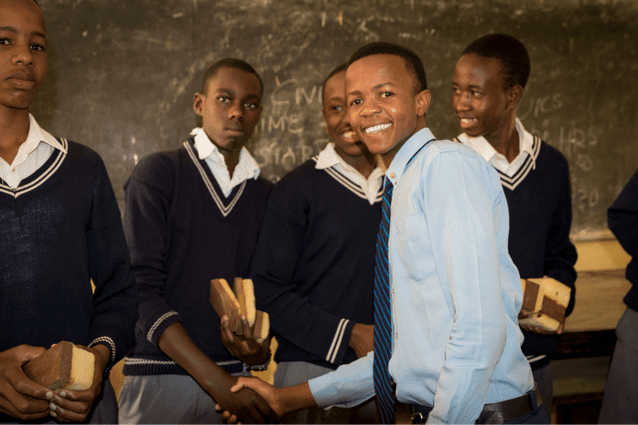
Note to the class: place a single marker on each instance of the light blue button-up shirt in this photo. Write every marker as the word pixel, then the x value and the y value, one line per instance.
pixel 456 293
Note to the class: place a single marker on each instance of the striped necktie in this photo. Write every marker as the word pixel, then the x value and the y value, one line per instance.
pixel 383 315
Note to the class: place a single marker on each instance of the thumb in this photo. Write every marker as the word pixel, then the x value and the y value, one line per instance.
pixel 238 386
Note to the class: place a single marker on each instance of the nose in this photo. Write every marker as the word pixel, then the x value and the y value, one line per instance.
pixel 236 111
pixel 23 55
pixel 461 102
pixel 370 107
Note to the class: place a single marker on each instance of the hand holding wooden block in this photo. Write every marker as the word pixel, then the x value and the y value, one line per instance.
pixel 225 302
pixel 245 293
pixel 546 299
pixel 62 366
pixel 237 303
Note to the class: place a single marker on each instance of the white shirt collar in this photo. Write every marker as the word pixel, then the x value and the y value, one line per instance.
pixel 247 168
pixel 487 151
pixel 34 137
pixel 329 158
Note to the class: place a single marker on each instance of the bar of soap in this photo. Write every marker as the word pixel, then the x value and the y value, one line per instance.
pixel 62 366
pixel 549 299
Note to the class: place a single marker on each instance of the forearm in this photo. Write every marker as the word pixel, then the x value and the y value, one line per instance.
pixel 362 339
pixel 177 345
pixel 296 397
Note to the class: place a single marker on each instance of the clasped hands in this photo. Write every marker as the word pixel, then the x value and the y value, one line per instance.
pixel 23 399
pixel 271 395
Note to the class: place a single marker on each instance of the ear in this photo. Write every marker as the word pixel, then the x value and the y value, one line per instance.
pixel 323 112
pixel 514 97
pixel 198 103
pixel 422 101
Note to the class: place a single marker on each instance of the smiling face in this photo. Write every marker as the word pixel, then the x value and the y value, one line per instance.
pixel 230 108
pixel 23 58
pixel 481 99
pixel 383 106
pixel 337 119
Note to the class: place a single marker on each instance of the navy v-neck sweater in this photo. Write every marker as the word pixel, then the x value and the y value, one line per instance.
pixel 182 232
pixel 540 208
pixel 60 229
pixel 314 264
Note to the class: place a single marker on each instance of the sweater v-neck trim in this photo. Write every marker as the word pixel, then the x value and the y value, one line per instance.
pixel 41 175
pixel 225 205
pixel 530 163
pixel 349 184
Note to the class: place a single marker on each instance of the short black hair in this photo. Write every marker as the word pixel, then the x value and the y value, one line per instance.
pixel 412 61
pixel 510 51
pixel 338 69
pixel 229 63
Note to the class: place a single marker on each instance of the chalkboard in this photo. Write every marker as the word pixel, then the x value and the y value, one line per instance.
pixel 122 75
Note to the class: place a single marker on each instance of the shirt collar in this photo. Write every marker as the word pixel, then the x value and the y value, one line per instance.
pixel 487 151
pixel 329 158
pixel 206 149
pixel 37 135
pixel 406 153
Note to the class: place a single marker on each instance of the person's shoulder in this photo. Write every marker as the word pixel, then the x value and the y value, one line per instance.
pixel 83 158
pixel 157 163
pixel 79 150
pixel 263 183
pixel 299 176
pixel 449 149
pixel 551 153
pixel 296 183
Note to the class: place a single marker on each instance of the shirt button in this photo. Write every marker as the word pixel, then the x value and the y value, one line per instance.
pixel 392 175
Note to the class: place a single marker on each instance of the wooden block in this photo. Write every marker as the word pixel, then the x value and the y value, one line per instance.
pixel 224 302
pixel 262 326
pixel 245 293
pixel 62 366
pixel 532 296
pixel 554 301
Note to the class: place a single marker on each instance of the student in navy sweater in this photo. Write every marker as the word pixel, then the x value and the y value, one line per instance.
pixel 314 263
pixel 60 229
pixel 193 214
pixel 488 85
pixel 621 392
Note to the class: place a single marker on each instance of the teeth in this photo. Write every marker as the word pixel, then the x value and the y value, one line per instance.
pixel 377 128
pixel 467 120
pixel 348 134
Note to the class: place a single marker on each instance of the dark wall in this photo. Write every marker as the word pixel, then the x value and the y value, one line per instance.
pixel 122 74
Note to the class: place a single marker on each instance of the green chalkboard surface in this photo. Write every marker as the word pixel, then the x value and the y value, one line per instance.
pixel 122 75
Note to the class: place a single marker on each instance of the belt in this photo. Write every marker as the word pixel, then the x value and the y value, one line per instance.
pixel 505 410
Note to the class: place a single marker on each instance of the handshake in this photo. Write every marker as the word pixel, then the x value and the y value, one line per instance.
pixel 280 400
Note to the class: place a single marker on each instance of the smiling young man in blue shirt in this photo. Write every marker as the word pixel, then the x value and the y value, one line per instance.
pixel 454 292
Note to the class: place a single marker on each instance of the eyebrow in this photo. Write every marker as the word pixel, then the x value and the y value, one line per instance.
pixel 230 92
pixel 15 31
pixel 377 87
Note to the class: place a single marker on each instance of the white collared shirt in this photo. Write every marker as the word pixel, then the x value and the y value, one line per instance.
pixel 32 154
pixel 330 158
pixel 498 161
pixel 247 167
